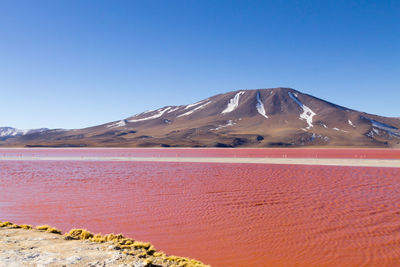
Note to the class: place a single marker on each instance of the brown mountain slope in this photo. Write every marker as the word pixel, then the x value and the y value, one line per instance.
pixel 249 118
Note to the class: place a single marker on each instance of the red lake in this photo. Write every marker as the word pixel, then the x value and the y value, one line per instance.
pixel 223 214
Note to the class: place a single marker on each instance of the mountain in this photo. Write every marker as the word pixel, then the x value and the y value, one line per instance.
pixel 278 117
pixel 9 132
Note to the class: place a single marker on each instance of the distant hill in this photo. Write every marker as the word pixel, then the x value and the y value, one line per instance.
pixel 9 132
pixel 278 117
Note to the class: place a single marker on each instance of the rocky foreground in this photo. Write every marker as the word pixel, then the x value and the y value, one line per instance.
pixel 21 245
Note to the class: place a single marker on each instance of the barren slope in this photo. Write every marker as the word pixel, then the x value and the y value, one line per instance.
pixel 281 117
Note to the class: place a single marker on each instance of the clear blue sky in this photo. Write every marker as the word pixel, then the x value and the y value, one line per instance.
pixel 72 64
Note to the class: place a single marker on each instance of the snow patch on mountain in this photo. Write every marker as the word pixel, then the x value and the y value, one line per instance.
pixel 307 114
pixel 147 111
pixel 233 103
pixel 229 123
pixel 315 136
pixel 195 109
pixel 339 130
pixel 351 123
pixel 391 130
pixel 6 132
pixel 260 106
pixel 173 109
pixel 120 123
pixel 195 104
pixel 373 132
pixel 155 116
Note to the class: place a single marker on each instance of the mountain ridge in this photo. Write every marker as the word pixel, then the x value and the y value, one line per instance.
pixel 9 132
pixel 274 117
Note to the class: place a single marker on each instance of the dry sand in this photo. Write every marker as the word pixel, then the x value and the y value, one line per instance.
pixel 393 163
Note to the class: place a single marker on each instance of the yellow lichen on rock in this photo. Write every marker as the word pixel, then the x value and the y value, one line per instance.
pixel 98 238
pixel 5 224
pixel 48 229
pixel 54 230
pixel 114 238
pixel 79 234
pixel 42 227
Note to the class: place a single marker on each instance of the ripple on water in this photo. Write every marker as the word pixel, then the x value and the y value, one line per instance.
pixel 222 214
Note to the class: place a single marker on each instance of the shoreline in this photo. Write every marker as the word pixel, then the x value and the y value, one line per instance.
pixel 207 147
pixel 387 163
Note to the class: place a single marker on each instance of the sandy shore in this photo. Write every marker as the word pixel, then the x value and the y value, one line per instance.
pixel 31 247
pixel 392 163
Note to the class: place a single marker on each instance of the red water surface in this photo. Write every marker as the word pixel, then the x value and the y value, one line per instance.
pixel 206 152
pixel 221 214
